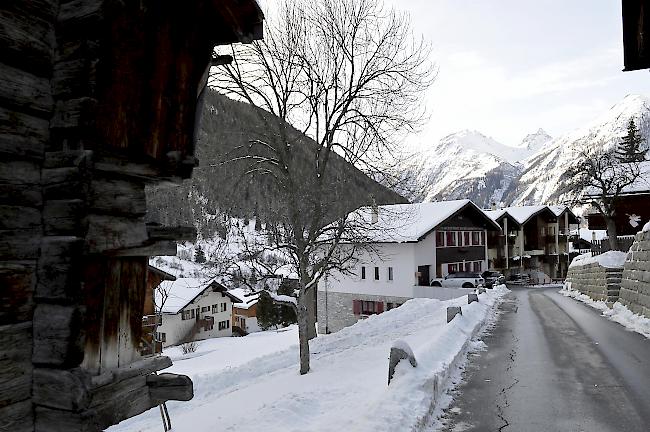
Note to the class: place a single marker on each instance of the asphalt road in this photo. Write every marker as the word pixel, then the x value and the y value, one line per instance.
pixel 554 364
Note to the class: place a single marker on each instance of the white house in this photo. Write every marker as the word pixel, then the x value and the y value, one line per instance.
pixel 193 309
pixel 411 244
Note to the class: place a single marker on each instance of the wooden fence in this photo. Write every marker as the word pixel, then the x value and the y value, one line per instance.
pixel 601 246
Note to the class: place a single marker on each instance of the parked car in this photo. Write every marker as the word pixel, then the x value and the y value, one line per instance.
pixel 459 280
pixel 492 278
pixel 519 279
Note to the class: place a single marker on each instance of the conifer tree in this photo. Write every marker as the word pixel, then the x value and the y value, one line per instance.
pixel 267 311
pixel 199 255
pixel 287 314
pixel 629 150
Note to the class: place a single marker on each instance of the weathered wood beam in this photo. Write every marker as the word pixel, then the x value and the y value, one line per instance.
pixel 67 389
pixel 18 417
pixel 59 268
pixel 157 248
pixel 169 386
pixel 15 363
pixel 25 92
pixel 73 113
pixel 118 196
pixel 114 233
pixel 16 303
pixel 158 232
pixel 22 135
pixel 145 366
pixel 57 337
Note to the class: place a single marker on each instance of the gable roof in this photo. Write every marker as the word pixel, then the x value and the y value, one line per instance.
pixel 247 297
pixel 401 223
pixel 183 291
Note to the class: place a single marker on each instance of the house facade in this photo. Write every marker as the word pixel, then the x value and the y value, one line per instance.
pixel 533 239
pixel 412 244
pixel 192 310
pixel 244 312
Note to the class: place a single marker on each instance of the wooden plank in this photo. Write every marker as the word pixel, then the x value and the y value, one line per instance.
pixel 158 248
pixel 108 232
pixel 61 388
pixel 158 232
pixel 22 134
pixel 118 196
pixel 82 159
pixel 63 217
pixel 26 195
pixel 94 275
pixel 168 386
pixel 24 91
pixel 15 365
pixel 74 113
pixel 21 172
pixel 57 338
pixel 19 217
pixel 110 321
pixel 77 14
pixel 132 292
pixel 74 78
pixel 59 268
pixel 17 280
pixel 20 244
pixel 17 417
pixel 27 34
pixel 142 367
pixel 65 183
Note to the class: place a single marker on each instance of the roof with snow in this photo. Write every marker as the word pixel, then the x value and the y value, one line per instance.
pixel 248 298
pixel 641 184
pixel 183 291
pixel 400 223
pixel 522 214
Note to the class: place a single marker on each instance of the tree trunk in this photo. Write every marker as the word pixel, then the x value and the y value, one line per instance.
pixel 611 233
pixel 311 313
pixel 303 333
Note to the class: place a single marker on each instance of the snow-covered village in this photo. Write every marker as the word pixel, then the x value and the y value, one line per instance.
pixel 324 215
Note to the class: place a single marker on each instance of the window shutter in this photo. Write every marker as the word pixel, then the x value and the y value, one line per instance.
pixel 356 307
pixel 380 307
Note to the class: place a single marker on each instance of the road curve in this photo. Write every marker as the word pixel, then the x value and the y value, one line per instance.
pixel 554 364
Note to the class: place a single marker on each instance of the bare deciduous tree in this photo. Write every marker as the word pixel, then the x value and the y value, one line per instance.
pixel 350 75
pixel 602 178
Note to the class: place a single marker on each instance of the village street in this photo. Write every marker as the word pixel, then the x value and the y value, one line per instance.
pixel 554 364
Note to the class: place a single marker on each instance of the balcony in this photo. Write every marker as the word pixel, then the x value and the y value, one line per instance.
pixel 534 252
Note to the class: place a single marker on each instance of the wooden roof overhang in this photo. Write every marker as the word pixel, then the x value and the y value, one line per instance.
pixel 489 224
pixel 636 34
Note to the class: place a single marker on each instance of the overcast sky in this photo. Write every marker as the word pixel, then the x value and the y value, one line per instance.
pixel 509 67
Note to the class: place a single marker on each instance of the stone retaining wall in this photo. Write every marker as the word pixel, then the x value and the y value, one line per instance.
pixel 596 281
pixel 339 308
pixel 635 286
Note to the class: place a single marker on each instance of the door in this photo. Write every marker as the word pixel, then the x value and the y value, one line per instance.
pixel 423 278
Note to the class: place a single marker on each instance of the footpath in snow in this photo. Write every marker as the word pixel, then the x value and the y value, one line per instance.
pixel 252 383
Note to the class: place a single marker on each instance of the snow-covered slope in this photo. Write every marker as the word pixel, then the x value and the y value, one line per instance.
pixel 541 180
pixel 468 164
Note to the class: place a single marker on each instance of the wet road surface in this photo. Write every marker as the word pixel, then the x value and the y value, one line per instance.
pixel 554 364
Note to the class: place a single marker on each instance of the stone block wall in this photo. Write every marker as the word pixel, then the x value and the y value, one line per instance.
pixel 338 313
pixel 596 281
pixel 635 285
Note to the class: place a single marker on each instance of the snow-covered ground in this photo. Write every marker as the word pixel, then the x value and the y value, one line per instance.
pixel 617 313
pixel 252 383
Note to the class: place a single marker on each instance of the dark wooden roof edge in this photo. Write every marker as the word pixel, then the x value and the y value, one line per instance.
pixel 163 274
pixel 470 204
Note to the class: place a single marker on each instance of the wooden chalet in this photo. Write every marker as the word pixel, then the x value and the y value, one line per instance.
pixel 98 98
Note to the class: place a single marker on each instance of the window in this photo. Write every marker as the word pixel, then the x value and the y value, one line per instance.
pixel 192 313
pixel 452 268
pixel 440 238
pixel 468 266
pixel 476 238
pixel 390 273
pixel 451 238
pixel 363 272
pixel 205 309
pixel 215 308
pixel 223 325
pixel 376 273
pixel 466 236
pixel 477 266
pixel 223 307
pixel 161 337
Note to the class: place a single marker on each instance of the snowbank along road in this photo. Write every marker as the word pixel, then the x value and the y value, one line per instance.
pixel 554 364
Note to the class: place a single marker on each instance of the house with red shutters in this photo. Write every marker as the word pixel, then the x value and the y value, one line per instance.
pixel 411 244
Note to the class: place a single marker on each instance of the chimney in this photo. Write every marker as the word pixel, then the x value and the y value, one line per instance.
pixel 493 206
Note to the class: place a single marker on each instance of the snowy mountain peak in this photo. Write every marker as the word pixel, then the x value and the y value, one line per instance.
pixel 535 141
